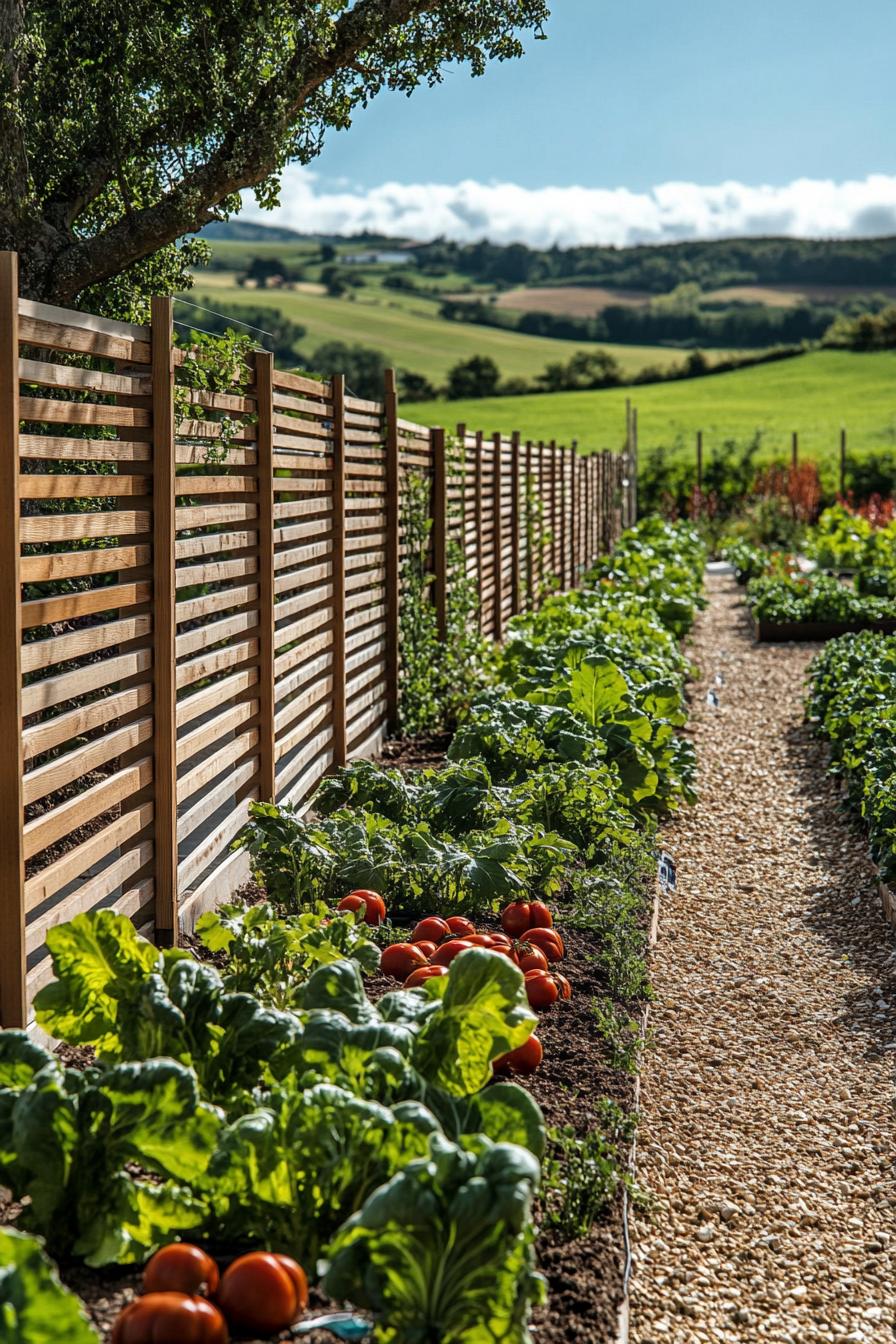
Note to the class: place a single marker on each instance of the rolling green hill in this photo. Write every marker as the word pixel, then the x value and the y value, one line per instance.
pixel 813 394
pixel 408 329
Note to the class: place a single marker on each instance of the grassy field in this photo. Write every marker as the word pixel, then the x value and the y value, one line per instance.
pixel 408 330
pixel 813 394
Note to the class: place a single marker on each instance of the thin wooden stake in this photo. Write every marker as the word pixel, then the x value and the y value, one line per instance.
pixel 267 755
pixel 498 622
pixel 633 469
pixel 842 461
pixel 699 461
pixel 13 965
pixel 340 740
pixel 440 528
pixel 392 556
pixel 530 531
pixel 164 623
pixel 794 448
pixel 515 522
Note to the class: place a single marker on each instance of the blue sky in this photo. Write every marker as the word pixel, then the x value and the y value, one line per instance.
pixel 646 91
pixel 635 121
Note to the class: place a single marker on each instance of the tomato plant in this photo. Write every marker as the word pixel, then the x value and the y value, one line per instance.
pixel 402 958
pixel 432 929
pixel 541 989
pixel 444 955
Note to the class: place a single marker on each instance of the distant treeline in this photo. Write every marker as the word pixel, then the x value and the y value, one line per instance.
pixel 659 268
pixel 737 326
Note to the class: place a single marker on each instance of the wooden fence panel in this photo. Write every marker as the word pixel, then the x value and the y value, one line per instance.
pixel 207 587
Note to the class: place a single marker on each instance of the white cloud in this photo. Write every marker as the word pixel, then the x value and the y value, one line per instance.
pixel 505 212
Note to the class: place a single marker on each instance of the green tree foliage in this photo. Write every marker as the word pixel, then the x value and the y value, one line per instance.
pixel 364 368
pixel 267 327
pixel 478 376
pixel 125 125
pixel 868 331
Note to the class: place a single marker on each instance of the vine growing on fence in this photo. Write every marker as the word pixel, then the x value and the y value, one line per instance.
pixel 437 677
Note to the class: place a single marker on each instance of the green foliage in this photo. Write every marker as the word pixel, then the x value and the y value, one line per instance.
pixel 843 539
pixel 815 597
pixel 582 1176
pixel 852 700
pixel 272 957
pixel 117 139
pixel 364 367
pixel 750 562
pixel 477 376
pixel 444 1250
pixel 34 1306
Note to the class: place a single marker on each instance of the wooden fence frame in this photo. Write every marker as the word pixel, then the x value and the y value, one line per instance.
pixel 202 602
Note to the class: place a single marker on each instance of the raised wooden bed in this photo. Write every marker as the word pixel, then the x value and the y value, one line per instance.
pixel 806 632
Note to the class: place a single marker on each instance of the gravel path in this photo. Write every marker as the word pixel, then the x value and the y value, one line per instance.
pixel 767 1135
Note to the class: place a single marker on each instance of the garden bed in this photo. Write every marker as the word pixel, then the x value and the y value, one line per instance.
pixel 811 632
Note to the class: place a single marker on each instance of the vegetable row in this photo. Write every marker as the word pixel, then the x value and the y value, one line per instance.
pixel 267 1100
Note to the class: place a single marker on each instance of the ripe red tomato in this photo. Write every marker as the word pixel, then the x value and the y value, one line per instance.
pixel 458 924
pixel 501 940
pixel 547 941
pixel 540 916
pixel 430 930
pixel 400 959
pixel 563 985
pixel 181 1268
pixel 424 973
pixel 515 918
pixel 444 955
pixel 524 1059
pixel 531 958
pixel 541 989
pixel 480 940
pixel 169 1318
pixel 262 1293
pixel 372 906
pixel 425 947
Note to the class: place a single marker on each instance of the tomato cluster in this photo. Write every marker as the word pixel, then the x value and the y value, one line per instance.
pixel 258 1294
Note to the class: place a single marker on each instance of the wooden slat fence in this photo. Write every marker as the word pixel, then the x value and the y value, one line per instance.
pixel 202 602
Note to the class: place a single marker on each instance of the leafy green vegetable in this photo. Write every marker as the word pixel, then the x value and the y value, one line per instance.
pixel 443 1251
pixel 34 1306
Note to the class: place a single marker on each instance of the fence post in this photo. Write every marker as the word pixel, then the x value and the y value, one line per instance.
pixel 515 522
pixel 633 470
pixel 699 461
pixel 267 757
pixel 440 528
pixel 564 517
pixel 542 515
pixel 555 516
pixel 573 520
pixel 164 623
pixel 530 532
pixel 340 742
pixel 13 964
pixel 392 557
pixel 794 448
pixel 498 625
pixel 842 461
pixel 477 522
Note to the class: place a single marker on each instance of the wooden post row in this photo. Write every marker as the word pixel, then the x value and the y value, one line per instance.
pixel 164 623
pixel 440 528
pixel 340 742
pixel 392 556
pixel 13 966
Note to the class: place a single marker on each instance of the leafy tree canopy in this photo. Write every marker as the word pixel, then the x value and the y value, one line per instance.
pixel 127 124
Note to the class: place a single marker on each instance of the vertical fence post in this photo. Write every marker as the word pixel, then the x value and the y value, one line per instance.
pixel 564 517
pixel 498 625
pixel 530 532
pixel 574 505
pixel 794 448
pixel 164 623
pixel 515 522
pixel 542 515
pixel 633 470
pixel 555 515
pixel 340 740
pixel 842 461
pixel 477 521
pixel 264 391
pixel 440 528
pixel 699 461
pixel 13 965
pixel 392 556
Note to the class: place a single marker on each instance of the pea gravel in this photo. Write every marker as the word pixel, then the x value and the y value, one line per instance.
pixel 766 1140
